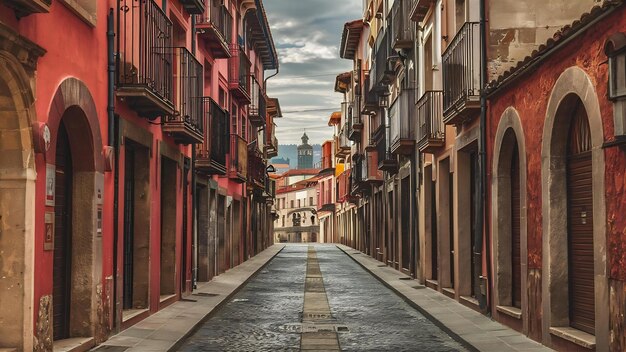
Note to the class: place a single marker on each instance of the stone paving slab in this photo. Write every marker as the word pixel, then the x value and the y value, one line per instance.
pixel 461 322
pixel 164 330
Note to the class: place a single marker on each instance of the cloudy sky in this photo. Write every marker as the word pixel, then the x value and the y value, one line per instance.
pixel 307 35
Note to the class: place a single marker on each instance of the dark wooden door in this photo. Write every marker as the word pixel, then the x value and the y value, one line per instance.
pixel 129 224
pixel 61 289
pixel 580 226
pixel 516 268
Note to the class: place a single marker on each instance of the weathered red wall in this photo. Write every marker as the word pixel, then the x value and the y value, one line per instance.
pixel 529 95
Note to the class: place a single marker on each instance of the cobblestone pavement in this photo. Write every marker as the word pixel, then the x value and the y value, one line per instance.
pixel 266 314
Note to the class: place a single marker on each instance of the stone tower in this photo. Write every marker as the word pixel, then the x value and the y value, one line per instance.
pixel 305 154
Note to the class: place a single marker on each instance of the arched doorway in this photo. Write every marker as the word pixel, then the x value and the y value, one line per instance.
pixel 77 253
pixel 574 274
pixel 580 222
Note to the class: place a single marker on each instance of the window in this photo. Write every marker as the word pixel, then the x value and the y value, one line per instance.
pixel 311 201
pixel 234 118
pixel 222 99
pixel 292 203
pixel 283 220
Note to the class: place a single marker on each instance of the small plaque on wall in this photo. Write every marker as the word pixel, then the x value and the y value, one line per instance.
pixel 48 241
pixel 50 184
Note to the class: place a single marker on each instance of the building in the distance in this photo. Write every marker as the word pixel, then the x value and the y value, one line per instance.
pixel 305 153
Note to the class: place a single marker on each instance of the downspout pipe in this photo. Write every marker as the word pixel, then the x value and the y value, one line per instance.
pixel 113 142
pixel 481 213
pixel 194 203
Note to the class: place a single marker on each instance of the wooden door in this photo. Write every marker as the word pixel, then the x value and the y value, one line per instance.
pixel 129 225
pixel 580 225
pixel 62 264
pixel 516 269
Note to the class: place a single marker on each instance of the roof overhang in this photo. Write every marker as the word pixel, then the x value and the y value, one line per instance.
pixel 335 118
pixel 350 39
pixel 261 36
pixel 273 108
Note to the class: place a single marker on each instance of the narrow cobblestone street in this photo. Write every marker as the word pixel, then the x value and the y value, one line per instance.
pixel 272 312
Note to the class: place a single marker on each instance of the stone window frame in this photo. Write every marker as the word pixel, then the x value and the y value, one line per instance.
pixel 510 125
pixel 573 81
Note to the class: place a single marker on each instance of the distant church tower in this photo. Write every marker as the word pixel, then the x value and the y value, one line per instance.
pixel 305 154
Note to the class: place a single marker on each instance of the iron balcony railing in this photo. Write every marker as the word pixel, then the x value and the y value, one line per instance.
pixel 461 69
pixel 370 100
pixel 258 103
pixel 239 77
pixel 187 123
pixel 144 59
pixel 211 155
pixel 402 120
pixel 238 166
pixel 218 17
pixel 401 24
pixel 256 166
pixel 430 120
pixel 381 68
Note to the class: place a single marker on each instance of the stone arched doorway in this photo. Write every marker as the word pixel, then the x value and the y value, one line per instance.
pixel 76 157
pixel 17 203
pixel 509 224
pixel 573 100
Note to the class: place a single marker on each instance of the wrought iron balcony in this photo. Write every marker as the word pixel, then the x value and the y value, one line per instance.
pixel 145 58
pixel 344 187
pixel 194 7
pixel 342 144
pixel 355 124
pixel 370 99
pixel 402 123
pixel 386 161
pixel 211 154
pixel 270 190
pixel 401 24
pixel 26 7
pixel 239 74
pixel 461 75
pixel 215 27
pixel 430 122
pixel 271 144
pixel 371 173
pixel 381 71
pixel 358 181
pixel 257 110
pixel 238 159
pixel 256 167
pixel 186 125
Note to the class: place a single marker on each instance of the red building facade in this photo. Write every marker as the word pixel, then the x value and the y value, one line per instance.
pixel 553 143
pixel 134 162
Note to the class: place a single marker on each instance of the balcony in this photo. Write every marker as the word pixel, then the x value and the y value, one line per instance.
pixel 355 124
pixel 358 181
pixel 215 27
pixel 145 59
pixel 256 167
pixel 269 193
pixel 271 144
pixel 257 110
pixel 211 154
pixel 371 173
pixel 402 123
pixel 26 7
pixel 193 7
pixel 430 122
pixel 370 100
pixel 401 24
pixel 344 188
pixel 420 8
pixel 461 76
pixel 239 74
pixel 386 161
pixel 381 71
pixel 186 125
pixel 238 161
pixel 342 144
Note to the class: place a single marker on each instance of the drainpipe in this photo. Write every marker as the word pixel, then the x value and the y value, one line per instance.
pixel 194 204
pixel 481 213
pixel 113 141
